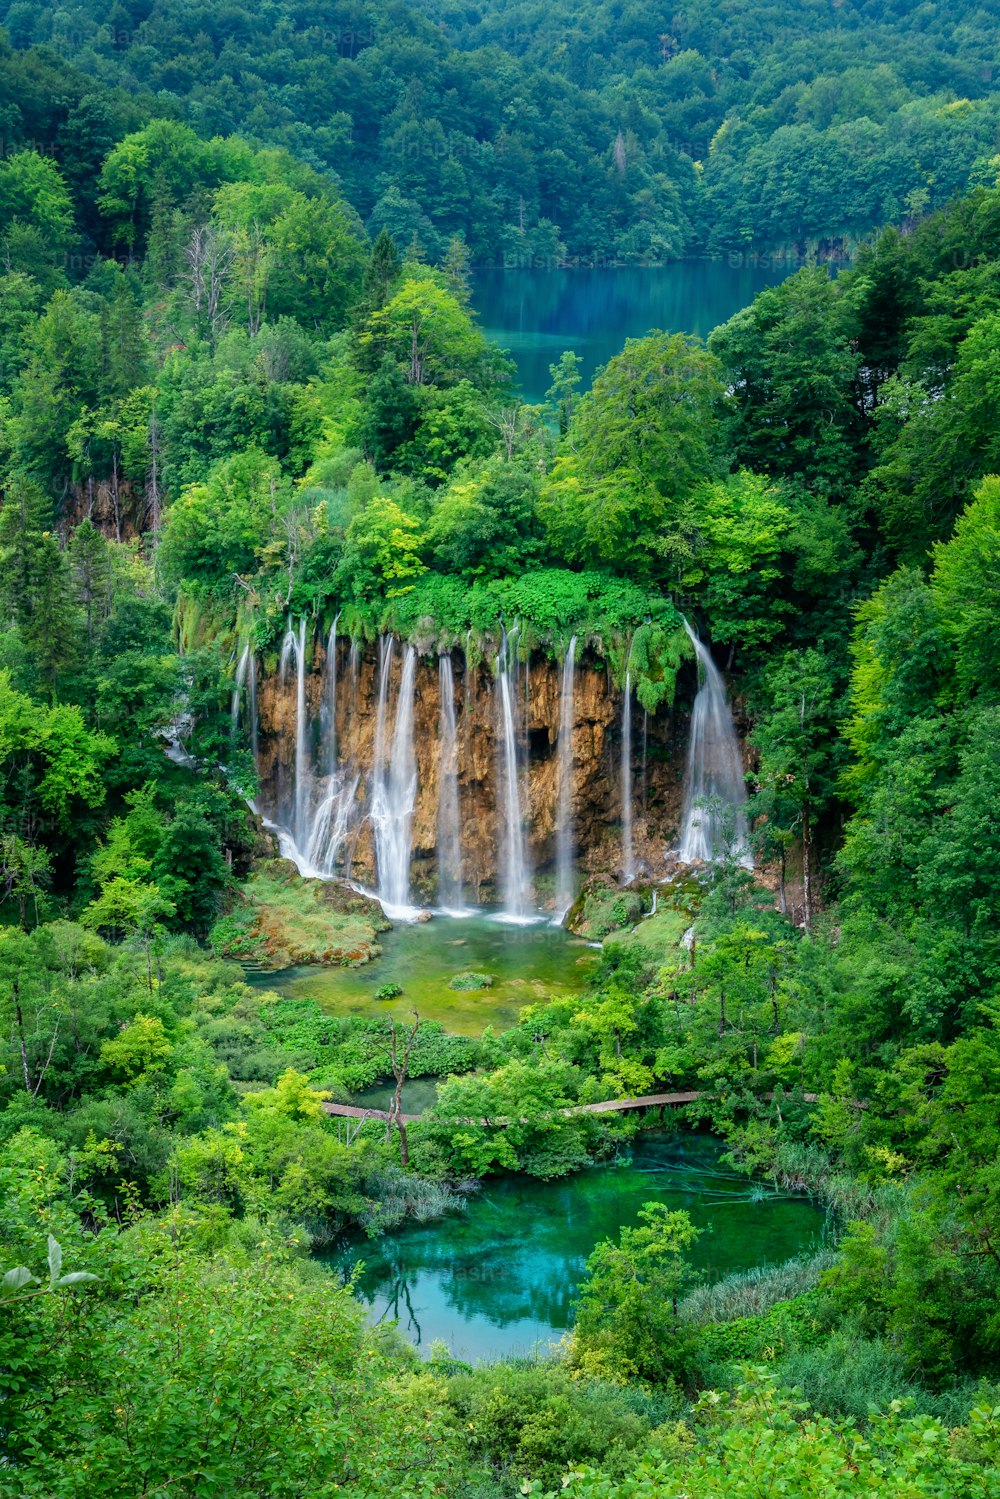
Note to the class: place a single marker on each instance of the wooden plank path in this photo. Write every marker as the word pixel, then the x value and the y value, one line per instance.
pixel 648 1101
pixel 606 1106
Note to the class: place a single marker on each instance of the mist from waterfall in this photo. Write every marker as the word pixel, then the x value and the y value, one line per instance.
pixel 564 809
pixel 714 820
pixel 449 849
pixel 516 880
pixel 628 847
pixel 394 792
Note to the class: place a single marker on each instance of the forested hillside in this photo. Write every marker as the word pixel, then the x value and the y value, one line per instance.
pixel 238 392
pixel 553 132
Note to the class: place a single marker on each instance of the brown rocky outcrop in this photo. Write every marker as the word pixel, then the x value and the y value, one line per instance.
pixel 657 762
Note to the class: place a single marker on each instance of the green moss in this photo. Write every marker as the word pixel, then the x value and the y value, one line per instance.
pixel 470 981
pixel 602 908
pixel 657 936
pixel 282 920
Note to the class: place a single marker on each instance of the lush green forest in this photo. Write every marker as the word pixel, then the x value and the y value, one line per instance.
pixel 543 132
pixel 240 382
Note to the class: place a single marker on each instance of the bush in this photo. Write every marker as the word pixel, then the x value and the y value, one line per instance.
pixel 470 981
pixel 532 1420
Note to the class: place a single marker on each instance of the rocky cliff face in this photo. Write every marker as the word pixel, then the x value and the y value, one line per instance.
pixel 657 763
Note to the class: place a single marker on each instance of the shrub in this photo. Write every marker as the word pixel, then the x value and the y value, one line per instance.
pixel 470 981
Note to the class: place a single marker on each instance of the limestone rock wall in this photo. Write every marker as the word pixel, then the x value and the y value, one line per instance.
pixel 657 762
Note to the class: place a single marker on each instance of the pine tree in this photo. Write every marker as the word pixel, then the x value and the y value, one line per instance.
pixel 35 588
pixel 382 272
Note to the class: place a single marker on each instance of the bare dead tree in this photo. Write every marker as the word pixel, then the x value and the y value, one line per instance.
pixel 508 421
pixel 400 1064
pixel 209 258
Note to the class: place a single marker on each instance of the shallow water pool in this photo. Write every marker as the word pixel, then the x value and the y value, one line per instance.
pixel 527 965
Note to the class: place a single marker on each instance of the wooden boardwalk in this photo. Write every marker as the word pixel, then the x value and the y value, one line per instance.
pixel 607 1106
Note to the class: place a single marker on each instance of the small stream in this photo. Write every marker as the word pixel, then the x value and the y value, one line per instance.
pixel 499 1279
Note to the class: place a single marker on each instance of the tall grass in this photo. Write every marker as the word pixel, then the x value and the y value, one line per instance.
pixel 396 1194
pixel 852 1375
pixel 751 1293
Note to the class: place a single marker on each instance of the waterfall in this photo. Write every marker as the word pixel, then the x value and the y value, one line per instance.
pixel 303 779
pixel 449 850
pixel 241 676
pixel 331 700
pixel 332 823
pixel 516 877
pixel 385 649
pixel 714 818
pixel 335 816
pixel 285 811
pixel 628 850
pixel 564 812
pixel 395 787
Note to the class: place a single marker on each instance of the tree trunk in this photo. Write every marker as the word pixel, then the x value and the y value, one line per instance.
pixel 806 866
pixel 19 1017
pixel 400 1071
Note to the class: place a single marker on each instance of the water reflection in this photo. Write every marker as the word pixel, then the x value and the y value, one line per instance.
pixel 500 1278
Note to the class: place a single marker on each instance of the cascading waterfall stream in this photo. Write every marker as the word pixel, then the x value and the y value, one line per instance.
pixel 286 785
pixel 564 811
pixel 628 847
pixel 449 850
pixel 240 682
pixel 714 820
pixel 303 778
pixel 516 877
pixel 331 700
pixel 335 815
pixel 395 789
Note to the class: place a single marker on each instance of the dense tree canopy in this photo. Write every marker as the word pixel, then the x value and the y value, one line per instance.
pixel 241 383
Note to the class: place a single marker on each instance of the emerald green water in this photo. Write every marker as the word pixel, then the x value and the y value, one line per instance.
pixel 499 1279
pixel 536 314
pixel 527 964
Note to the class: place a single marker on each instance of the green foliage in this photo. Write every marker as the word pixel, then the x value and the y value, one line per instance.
pixel 251 1341
pixel 535 1420
pixel 640 441
pixel 803 1452
pixel 388 991
pixel 627 1325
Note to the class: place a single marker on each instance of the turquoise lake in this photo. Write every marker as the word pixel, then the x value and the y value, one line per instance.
pixel 536 314
pixel 499 1279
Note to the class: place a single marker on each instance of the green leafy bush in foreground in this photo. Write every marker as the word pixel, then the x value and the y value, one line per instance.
pixel 761 1440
